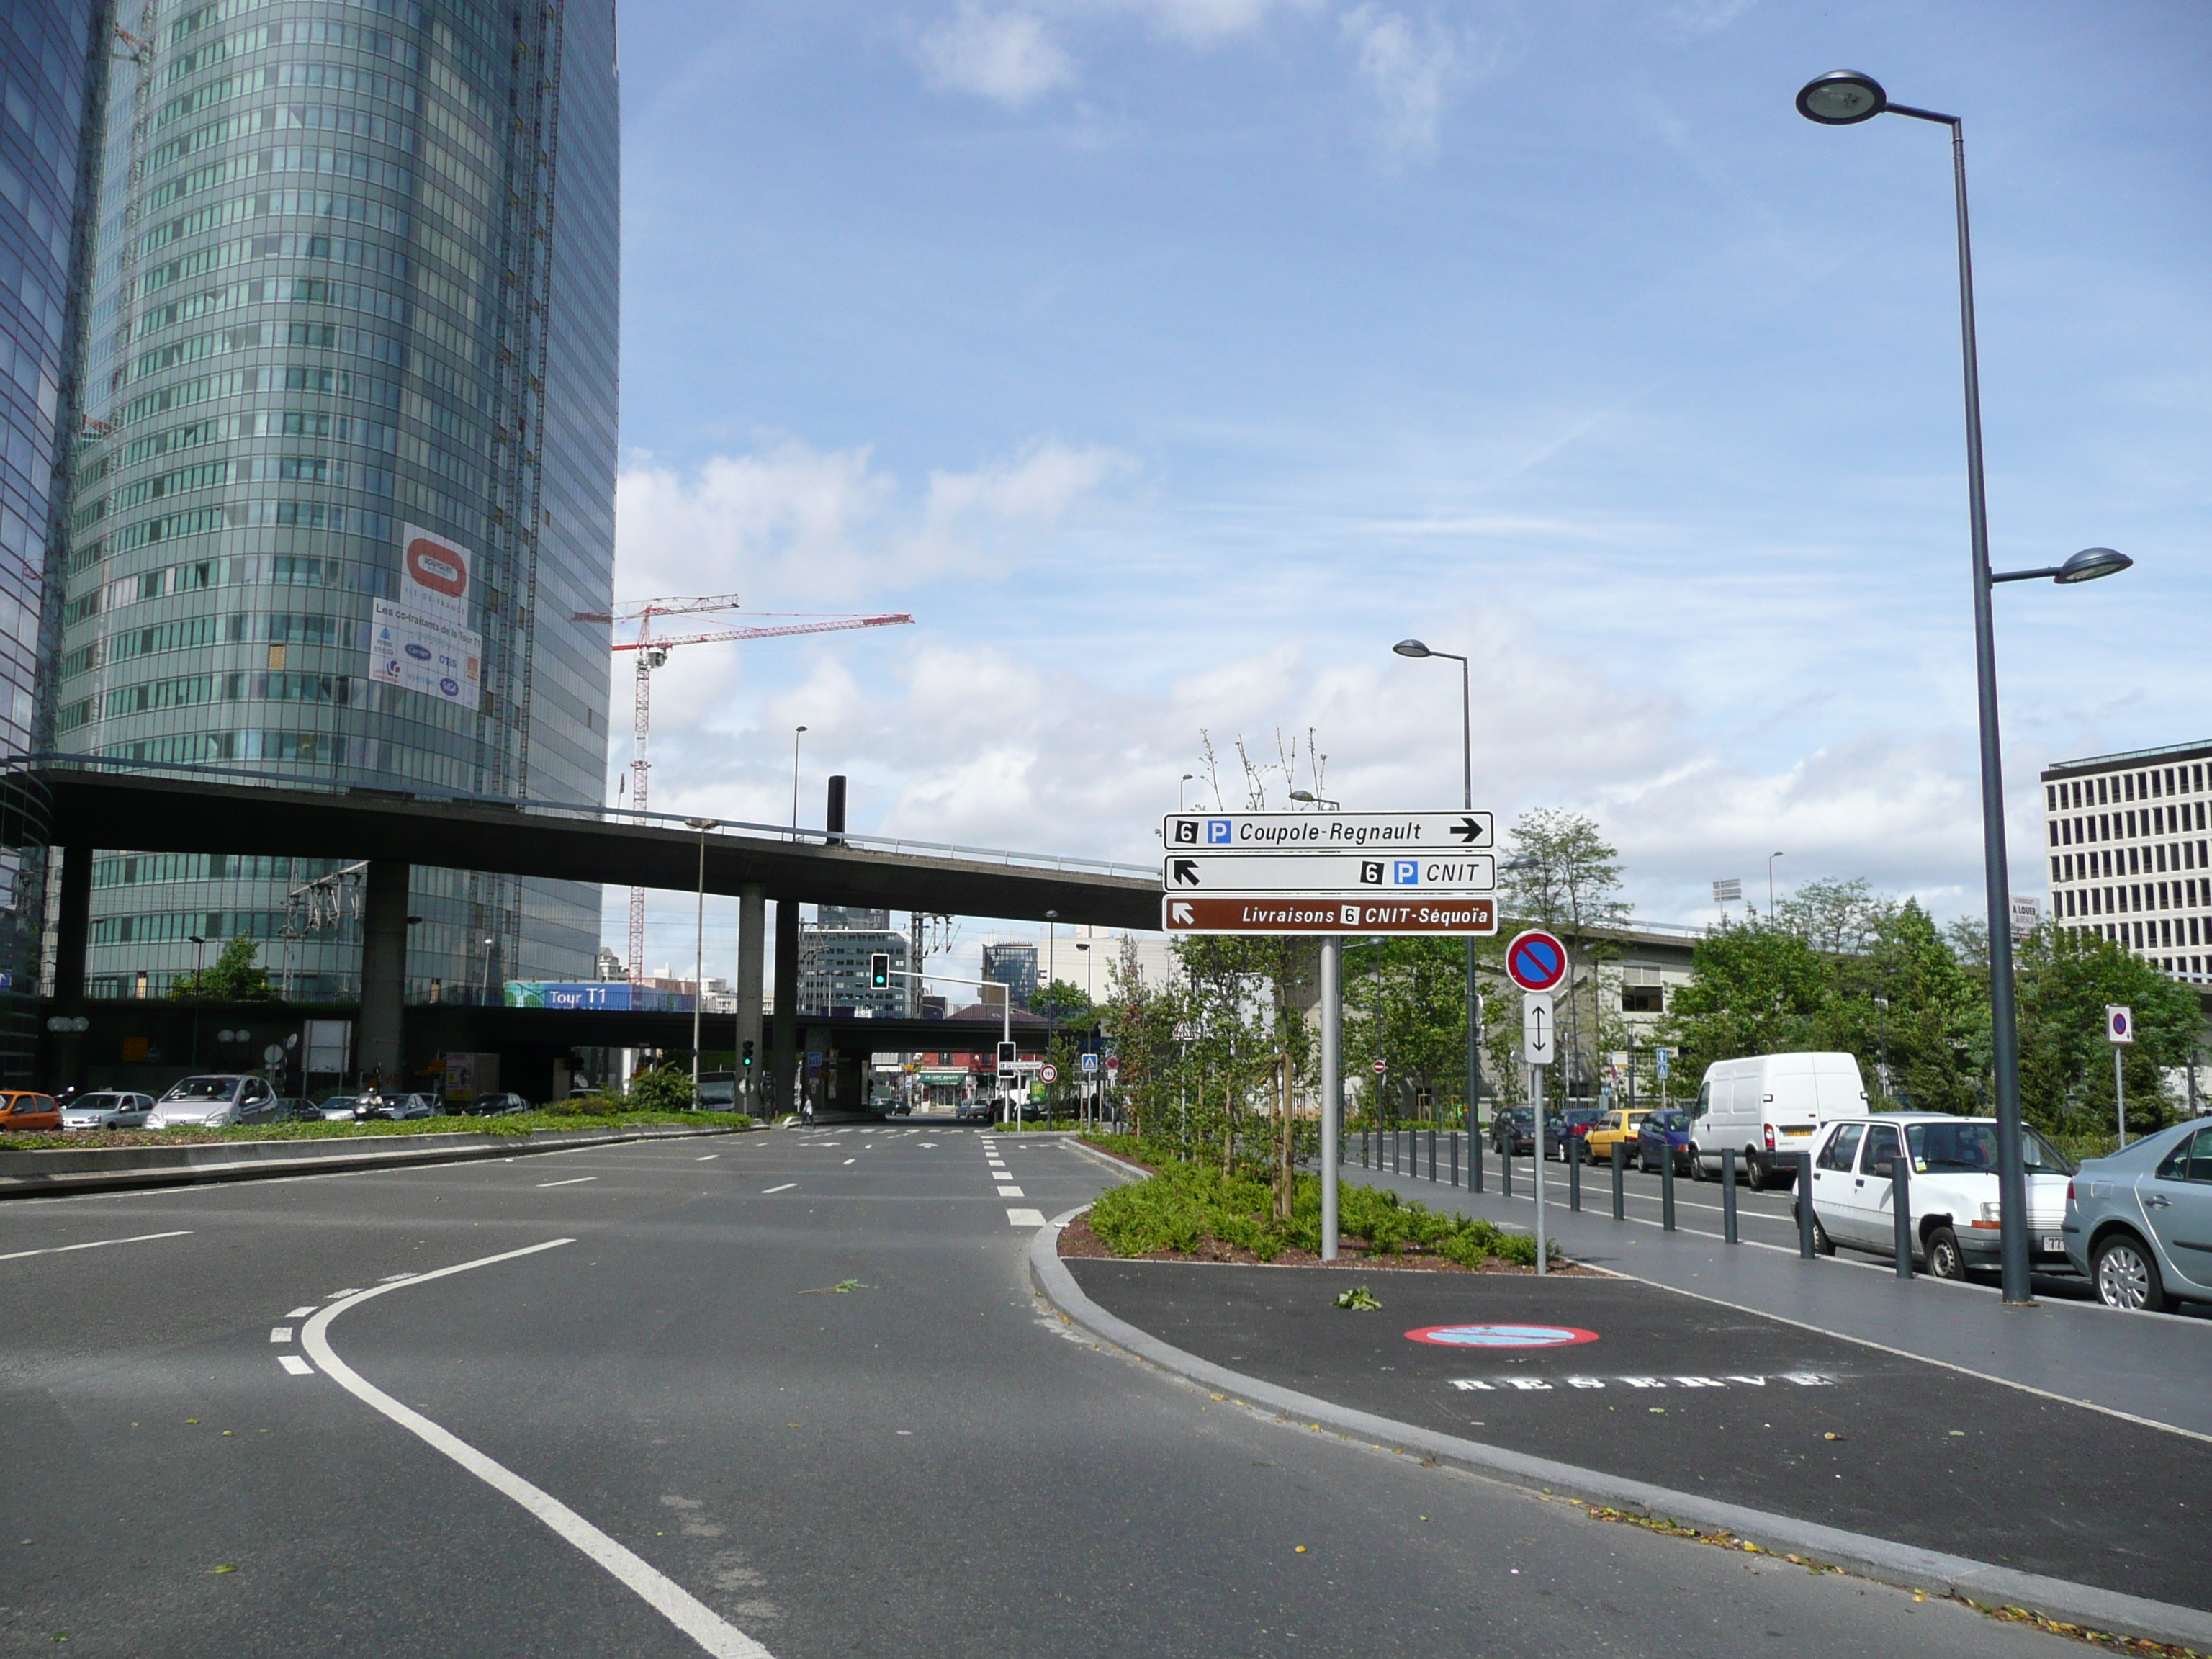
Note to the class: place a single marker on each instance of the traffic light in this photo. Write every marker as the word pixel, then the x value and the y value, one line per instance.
pixel 745 1059
pixel 1008 1054
pixel 879 971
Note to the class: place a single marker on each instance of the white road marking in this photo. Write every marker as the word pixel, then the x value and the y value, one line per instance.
pixel 294 1363
pixel 709 1158
pixel 280 1333
pixel 1025 1217
pixel 662 1594
pixel 63 1250
pixel 389 1279
pixel 849 1160
pixel 1012 1192
pixel 300 1312
pixel 929 1146
pixel 571 1182
pixel 786 1188
pixel 334 1295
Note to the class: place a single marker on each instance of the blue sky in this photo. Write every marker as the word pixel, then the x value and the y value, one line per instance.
pixel 1169 359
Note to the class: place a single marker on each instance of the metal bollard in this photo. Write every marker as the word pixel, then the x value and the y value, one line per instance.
pixel 1454 1139
pixel 1574 1175
pixel 1727 1194
pixel 1619 1192
pixel 1363 1149
pixel 1505 1168
pixel 1900 1202
pixel 1805 1204
pixel 1667 1191
pixel 1474 1153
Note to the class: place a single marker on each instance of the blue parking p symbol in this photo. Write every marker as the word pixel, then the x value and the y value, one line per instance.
pixel 1405 873
pixel 1217 832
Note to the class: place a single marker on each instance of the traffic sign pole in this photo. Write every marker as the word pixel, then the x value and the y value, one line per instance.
pixel 1332 1083
pixel 2119 1030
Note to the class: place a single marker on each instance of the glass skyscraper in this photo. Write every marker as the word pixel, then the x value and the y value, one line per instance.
pixel 50 51
pixel 347 469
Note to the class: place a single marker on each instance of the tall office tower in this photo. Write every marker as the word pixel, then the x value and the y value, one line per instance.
pixel 52 56
pixel 351 367
pixel 2114 824
pixel 1015 967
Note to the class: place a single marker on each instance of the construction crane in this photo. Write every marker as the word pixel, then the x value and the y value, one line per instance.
pixel 652 652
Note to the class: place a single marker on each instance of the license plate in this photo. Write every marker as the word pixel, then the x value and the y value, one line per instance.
pixel 2053 1244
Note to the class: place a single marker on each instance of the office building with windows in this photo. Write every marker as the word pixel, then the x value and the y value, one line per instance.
pixel 1014 965
pixel 348 455
pixel 52 55
pixel 2127 837
pixel 833 967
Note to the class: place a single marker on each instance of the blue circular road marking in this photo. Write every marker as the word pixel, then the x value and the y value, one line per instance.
pixel 1501 1336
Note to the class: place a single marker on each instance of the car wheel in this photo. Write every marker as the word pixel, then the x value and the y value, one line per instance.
pixel 2127 1277
pixel 1945 1259
pixel 1697 1165
pixel 1755 1174
pixel 1822 1244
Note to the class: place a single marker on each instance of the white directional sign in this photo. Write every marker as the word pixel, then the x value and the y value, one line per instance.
pixel 1414 913
pixel 1328 832
pixel 1539 1041
pixel 1337 873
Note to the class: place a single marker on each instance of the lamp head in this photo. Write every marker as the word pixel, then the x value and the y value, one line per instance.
pixel 1306 795
pixel 1410 648
pixel 1841 98
pixel 2092 563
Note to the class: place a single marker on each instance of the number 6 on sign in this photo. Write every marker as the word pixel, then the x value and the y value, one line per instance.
pixel 1537 1039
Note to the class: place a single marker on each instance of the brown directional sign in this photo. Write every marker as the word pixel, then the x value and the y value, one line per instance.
pixel 1452 916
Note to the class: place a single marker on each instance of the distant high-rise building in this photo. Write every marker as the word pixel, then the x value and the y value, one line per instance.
pixel 1014 966
pixel 833 952
pixel 53 59
pixel 845 916
pixel 2127 837
pixel 351 367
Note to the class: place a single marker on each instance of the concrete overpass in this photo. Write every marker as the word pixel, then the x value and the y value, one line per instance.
pixel 98 804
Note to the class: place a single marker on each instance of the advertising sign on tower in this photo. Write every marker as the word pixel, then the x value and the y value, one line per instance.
pixel 423 642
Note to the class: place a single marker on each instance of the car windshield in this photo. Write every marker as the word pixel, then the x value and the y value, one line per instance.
pixel 202 1087
pixel 1971 1148
pixel 338 1103
pixel 1668 1121
pixel 1584 1115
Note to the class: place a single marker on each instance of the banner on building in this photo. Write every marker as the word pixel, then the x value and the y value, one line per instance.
pixel 424 655
pixel 434 576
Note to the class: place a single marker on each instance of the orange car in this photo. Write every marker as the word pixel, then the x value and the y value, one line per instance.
pixel 21 1110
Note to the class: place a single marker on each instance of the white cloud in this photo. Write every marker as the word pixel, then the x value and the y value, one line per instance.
pixel 1005 55
pixel 1410 70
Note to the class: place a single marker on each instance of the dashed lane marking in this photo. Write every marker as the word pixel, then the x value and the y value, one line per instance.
pixel 1012 1192
pixel 93 1244
pixel 850 1160
pixel 708 1158
pixel 693 1617
pixel 1025 1217
pixel 294 1363
pixel 300 1312
pixel 280 1333
pixel 571 1182
pixel 786 1188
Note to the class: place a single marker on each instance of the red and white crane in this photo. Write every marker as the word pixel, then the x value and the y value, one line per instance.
pixel 653 651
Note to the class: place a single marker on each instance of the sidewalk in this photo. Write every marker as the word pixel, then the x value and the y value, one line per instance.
pixel 2150 1367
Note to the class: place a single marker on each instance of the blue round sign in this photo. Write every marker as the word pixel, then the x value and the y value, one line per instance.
pixel 1501 1336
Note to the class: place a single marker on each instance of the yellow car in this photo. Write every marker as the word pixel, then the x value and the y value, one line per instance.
pixel 1620 1129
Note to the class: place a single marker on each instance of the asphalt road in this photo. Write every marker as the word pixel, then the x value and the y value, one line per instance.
pixel 650 1423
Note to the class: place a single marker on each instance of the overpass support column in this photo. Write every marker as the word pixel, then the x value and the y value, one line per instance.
pixel 383 972
pixel 71 935
pixel 752 922
pixel 786 1073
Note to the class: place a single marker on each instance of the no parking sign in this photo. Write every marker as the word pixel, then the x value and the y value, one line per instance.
pixel 2119 1023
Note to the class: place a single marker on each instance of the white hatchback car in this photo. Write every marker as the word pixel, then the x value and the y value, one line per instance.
pixel 1953 1181
pixel 108 1108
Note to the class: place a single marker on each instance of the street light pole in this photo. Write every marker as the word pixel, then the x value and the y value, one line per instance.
pixel 797 732
pixel 1844 98
pixel 1770 857
pixel 199 990
pixel 699 956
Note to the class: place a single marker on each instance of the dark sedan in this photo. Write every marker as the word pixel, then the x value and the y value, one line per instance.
pixel 1513 1131
pixel 1664 1135
pixel 1563 1132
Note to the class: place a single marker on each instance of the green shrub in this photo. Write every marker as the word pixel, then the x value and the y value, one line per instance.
pixel 664 1088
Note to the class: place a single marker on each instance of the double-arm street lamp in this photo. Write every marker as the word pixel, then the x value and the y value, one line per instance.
pixel 1844 99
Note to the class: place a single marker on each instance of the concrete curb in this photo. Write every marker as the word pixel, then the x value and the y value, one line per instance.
pixel 1878 1558
pixel 260 1160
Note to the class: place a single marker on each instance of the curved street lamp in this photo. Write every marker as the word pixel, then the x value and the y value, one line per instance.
pixel 1844 98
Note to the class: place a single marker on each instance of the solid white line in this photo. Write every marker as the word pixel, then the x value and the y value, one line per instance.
pixel 786 1188
pixel 708 1158
pixel 294 1363
pixel 280 1333
pixel 662 1594
pixel 300 1312
pixel 63 1250
pixel 571 1182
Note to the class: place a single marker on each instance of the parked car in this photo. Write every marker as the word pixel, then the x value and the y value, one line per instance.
pixel 1955 1212
pixel 498 1105
pixel 397 1108
pixel 2139 1222
pixel 339 1108
pixel 1665 1136
pixel 106 1109
pixel 1563 1132
pixel 1513 1131
pixel 214 1101
pixel 21 1110
pixel 1621 1128
pixel 1769 1107
pixel 718 1091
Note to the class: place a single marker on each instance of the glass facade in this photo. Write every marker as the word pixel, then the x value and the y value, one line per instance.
pixel 350 381
pixel 50 51
pixel 834 969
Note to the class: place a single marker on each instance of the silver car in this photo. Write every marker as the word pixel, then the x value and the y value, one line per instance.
pixel 2139 1222
pixel 214 1101
pixel 109 1109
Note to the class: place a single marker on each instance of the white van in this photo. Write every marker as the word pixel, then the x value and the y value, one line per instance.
pixel 1768 1107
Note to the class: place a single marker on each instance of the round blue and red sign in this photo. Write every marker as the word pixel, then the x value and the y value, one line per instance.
pixel 1501 1336
pixel 1536 960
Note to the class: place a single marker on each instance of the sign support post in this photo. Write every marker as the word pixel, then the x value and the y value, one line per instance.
pixel 1332 1083
pixel 2119 1030
pixel 1536 961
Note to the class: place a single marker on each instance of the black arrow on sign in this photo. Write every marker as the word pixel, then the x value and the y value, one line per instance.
pixel 1186 871
pixel 1468 831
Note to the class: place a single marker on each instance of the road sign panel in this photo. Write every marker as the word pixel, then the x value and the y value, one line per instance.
pixel 1328 832
pixel 1536 960
pixel 2119 1023
pixel 1539 1038
pixel 1381 1067
pixel 1666 1058
pixel 1112 1064
pixel 1347 874
pixel 1089 1062
pixel 1049 1073
pixel 1446 916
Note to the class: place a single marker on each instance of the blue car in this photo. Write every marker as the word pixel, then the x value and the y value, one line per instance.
pixel 1664 1135
pixel 2139 1224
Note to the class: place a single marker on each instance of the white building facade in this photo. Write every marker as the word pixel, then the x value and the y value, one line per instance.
pixel 2127 837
